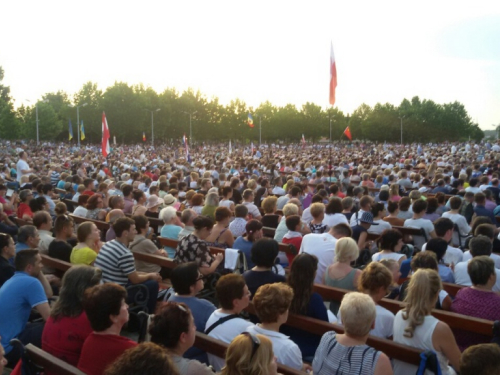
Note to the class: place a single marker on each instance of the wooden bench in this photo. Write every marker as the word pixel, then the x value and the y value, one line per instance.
pixel 101 225
pixel 70 205
pixel 319 327
pixel 218 348
pixel 454 320
pixel 60 266
pixel 50 363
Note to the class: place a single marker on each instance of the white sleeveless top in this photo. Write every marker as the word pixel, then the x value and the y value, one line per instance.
pixel 422 339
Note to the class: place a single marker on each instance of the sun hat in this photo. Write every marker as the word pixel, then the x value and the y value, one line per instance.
pixel 154 201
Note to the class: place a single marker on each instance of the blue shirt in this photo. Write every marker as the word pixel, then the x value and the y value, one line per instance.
pixel 482 211
pixel 246 247
pixel 446 274
pixel 200 308
pixel 18 296
pixel 172 232
pixel 21 246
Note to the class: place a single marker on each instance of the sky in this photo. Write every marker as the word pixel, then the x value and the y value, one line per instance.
pixel 257 50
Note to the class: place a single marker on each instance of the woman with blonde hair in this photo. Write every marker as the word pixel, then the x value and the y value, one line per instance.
pixel 250 354
pixel 416 327
pixel 394 193
pixel 89 244
pixel 270 218
pixel 340 274
pixel 211 203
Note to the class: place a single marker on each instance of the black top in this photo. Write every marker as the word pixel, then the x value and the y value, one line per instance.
pixel 270 220
pixel 6 270
pixel 236 198
pixel 60 250
pixel 356 232
pixel 254 279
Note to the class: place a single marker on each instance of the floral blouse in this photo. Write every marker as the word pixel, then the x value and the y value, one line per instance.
pixel 192 249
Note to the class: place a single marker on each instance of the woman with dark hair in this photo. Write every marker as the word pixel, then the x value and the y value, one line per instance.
pixel 221 236
pixel 145 359
pixel 264 271
pixel 390 244
pixel 393 219
pixel 193 247
pixel 333 213
pixel 270 218
pixel 68 327
pixel 173 328
pixel 107 313
pixel 39 204
pixel 405 211
pixel 305 302
pixel 7 252
pixel 439 246
pixel 379 212
pixel 432 206
pixel 260 195
pixel 245 243
pixel 95 209
pixel 140 198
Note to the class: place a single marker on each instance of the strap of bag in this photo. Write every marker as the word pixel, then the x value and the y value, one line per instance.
pixel 219 322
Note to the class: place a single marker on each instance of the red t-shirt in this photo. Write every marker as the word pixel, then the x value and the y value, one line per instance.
pixel 99 351
pixel 88 192
pixel 24 209
pixel 64 339
pixel 296 241
pixel 3 201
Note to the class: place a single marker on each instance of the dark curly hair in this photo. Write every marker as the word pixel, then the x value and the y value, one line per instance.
pixel 169 323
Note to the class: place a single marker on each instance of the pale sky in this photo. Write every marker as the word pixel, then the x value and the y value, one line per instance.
pixel 260 50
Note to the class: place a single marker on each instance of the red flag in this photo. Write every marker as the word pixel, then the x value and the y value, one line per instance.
pixel 347 133
pixel 333 76
pixel 105 136
pixel 144 136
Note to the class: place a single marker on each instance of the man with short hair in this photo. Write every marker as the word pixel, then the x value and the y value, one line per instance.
pixel 365 205
pixel 225 324
pixel 127 197
pixel 481 210
pixel 495 190
pixel 206 184
pixel 444 229
pixel 248 197
pixel 479 245
pixel 27 238
pixel 23 169
pixel 419 208
pixel 237 226
pixel 43 223
pixel 26 290
pixel 323 247
pixel 117 263
pixel 89 187
pixel 113 215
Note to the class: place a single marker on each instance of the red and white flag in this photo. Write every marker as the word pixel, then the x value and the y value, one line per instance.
pixel 333 76
pixel 105 136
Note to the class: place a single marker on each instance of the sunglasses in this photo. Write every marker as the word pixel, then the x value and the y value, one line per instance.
pixel 255 343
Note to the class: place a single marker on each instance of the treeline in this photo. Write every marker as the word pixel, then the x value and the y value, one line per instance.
pixel 128 111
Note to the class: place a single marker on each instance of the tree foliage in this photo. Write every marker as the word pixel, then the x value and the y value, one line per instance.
pixel 128 111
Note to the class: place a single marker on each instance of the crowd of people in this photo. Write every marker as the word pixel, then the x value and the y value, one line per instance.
pixel 341 209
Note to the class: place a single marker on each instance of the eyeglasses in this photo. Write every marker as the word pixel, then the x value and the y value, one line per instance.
pixel 200 277
pixel 255 343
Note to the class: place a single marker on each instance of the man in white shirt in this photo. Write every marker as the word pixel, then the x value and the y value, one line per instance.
pixel 479 245
pixel 23 169
pixel 224 324
pixel 248 197
pixel 323 247
pixel 444 229
pixel 419 208
pixel 365 205
pixel 487 230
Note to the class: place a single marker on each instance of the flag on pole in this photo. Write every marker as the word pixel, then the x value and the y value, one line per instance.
pixel 303 141
pixel 105 136
pixel 82 132
pixel 250 120
pixel 144 136
pixel 230 148
pixel 70 130
pixel 333 76
pixel 347 133
pixel 184 139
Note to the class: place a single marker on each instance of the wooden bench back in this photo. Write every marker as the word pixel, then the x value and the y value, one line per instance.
pixel 49 362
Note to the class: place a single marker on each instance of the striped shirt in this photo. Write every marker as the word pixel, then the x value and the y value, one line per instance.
pixel 116 262
pixel 335 358
pixel 54 178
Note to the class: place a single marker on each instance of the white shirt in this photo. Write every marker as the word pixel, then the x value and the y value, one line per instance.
pixel 384 322
pixel 496 258
pixel 225 332
pixel 424 224
pixel 306 216
pixel 333 219
pixel 452 255
pixel 252 209
pixel 286 351
pixel 22 166
pixel 378 229
pixel 462 276
pixel 356 216
pixel 460 221
pixel 323 247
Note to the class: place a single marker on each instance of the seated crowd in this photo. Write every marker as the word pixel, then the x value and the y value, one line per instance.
pixel 133 233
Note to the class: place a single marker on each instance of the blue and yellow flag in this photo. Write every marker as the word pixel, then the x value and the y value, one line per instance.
pixel 82 132
pixel 250 120
pixel 70 130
